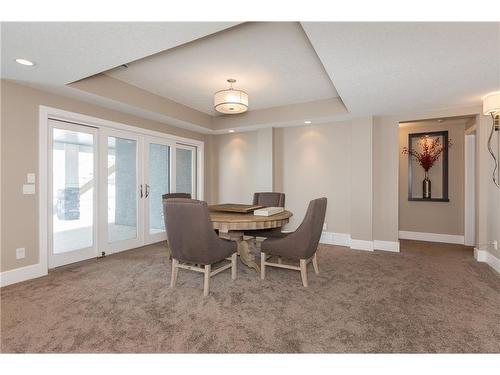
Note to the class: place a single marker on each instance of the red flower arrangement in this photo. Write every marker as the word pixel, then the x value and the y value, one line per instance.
pixel 432 148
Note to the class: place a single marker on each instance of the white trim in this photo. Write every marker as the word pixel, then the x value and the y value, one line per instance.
pixel 43 204
pixel 470 189
pixel 344 239
pixel 386 245
pixel 362 245
pixel 431 237
pixel 22 274
pixel 60 114
pixel 339 239
pixel 482 255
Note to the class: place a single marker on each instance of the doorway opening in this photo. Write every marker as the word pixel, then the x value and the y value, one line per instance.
pixel 437 177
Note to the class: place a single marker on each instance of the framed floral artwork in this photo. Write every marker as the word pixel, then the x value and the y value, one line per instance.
pixel 428 166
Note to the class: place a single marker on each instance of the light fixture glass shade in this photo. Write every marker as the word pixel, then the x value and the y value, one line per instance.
pixel 231 101
pixel 491 103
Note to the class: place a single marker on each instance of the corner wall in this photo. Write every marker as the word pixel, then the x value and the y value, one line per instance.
pixel 352 163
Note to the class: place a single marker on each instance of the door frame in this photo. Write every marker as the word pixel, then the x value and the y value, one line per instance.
pixel 470 196
pixel 46 113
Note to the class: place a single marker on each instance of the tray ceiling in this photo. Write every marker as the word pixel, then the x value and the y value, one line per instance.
pixel 272 61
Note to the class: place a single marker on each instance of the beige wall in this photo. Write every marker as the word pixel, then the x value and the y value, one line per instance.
pixel 19 128
pixel 385 179
pixel 320 160
pixel 315 162
pixel 307 162
pixel 362 179
pixel 434 217
pixel 237 163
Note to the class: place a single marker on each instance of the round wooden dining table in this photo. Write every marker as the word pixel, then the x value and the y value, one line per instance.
pixel 232 225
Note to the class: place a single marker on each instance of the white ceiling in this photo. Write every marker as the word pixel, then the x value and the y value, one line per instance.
pixel 381 68
pixel 68 51
pixel 272 61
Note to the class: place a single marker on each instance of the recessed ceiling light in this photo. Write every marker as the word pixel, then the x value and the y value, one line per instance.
pixel 25 62
pixel 307 122
pixel 230 131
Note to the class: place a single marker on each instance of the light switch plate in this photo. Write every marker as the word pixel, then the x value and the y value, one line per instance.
pixel 29 189
pixel 31 178
pixel 20 253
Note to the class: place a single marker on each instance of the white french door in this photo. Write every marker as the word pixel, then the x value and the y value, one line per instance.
pixel 185 169
pixel 72 193
pixel 159 179
pixel 106 187
pixel 168 167
pixel 121 191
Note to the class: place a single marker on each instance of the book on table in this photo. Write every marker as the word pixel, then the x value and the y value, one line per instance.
pixel 268 211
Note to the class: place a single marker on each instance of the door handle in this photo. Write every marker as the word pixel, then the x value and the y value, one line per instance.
pixel 147 190
pixel 141 191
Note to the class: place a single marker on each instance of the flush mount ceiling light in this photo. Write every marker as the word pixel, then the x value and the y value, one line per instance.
pixel 25 62
pixel 231 101
pixel 307 122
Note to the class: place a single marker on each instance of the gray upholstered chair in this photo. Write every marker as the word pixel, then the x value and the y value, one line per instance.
pixel 169 196
pixel 193 242
pixel 300 245
pixel 267 199
pixel 176 195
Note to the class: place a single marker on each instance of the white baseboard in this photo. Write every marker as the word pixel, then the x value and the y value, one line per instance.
pixel 431 237
pixel 339 239
pixel 22 274
pixel 386 245
pixel 361 245
pixel 344 239
pixel 482 255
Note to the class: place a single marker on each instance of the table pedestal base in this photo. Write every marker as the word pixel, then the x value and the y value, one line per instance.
pixel 244 249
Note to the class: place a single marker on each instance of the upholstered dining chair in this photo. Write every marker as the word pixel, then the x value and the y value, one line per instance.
pixel 169 196
pixel 193 242
pixel 300 245
pixel 176 195
pixel 267 199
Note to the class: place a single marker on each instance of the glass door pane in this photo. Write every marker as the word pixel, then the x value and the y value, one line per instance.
pixel 157 185
pixel 185 163
pixel 73 184
pixel 122 207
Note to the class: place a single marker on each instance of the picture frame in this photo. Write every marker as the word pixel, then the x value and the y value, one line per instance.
pixel 438 173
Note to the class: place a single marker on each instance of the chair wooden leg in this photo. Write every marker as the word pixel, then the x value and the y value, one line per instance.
pixel 234 267
pixel 303 272
pixel 206 283
pixel 315 264
pixel 262 266
pixel 173 279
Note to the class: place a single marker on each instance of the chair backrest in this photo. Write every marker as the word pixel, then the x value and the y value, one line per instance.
pixel 311 227
pixel 269 199
pixel 176 195
pixel 191 236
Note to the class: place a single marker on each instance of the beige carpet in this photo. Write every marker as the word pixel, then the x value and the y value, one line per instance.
pixel 428 298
